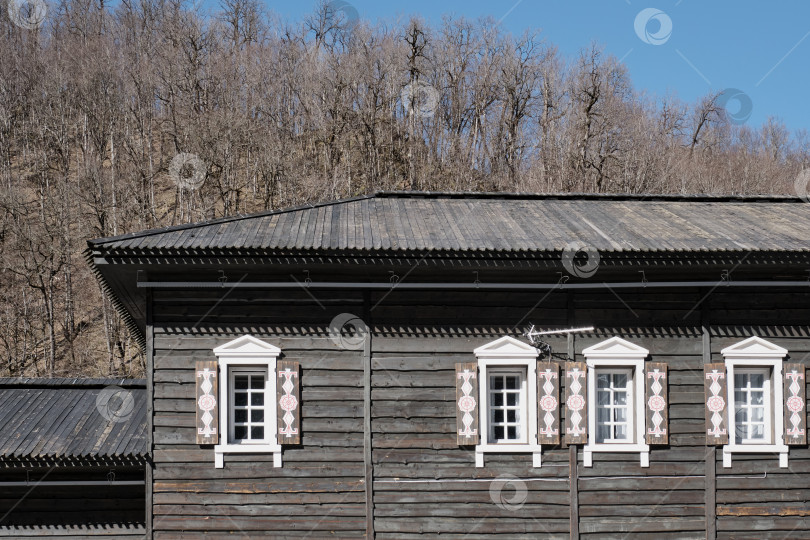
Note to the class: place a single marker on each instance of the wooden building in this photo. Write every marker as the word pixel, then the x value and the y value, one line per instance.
pixel 72 458
pixel 361 367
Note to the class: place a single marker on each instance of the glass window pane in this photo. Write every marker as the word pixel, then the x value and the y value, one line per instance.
pixel 257 398
pixel 602 415
pixel 240 432
pixel 497 400
pixel 741 415
pixel 240 382
pixel 757 398
pixel 602 398
pixel 240 415
pixel 257 382
pixel 602 433
pixel 739 396
pixel 602 381
pixel 758 414
pixel 740 380
pixel 497 416
pixel 257 432
pixel 511 399
pixel 621 414
pixel 512 383
pixel 757 431
pixel 621 431
pixel 498 432
pixel 257 415
pixel 512 433
pixel 240 399
pixel 620 398
pixel 739 433
pixel 620 380
pixel 757 380
pixel 496 382
pixel 511 415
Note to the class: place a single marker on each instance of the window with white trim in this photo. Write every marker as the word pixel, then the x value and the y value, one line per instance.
pixel 507 393
pixel 507 406
pixel 616 399
pixel 755 394
pixel 614 405
pixel 247 405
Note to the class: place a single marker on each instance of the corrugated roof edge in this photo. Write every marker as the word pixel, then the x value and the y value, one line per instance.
pixel 93 243
pixel 123 312
pixel 70 382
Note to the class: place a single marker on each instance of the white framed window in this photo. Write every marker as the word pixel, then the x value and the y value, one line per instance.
pixel 507 371
pixel 755 420
pixel 616 399
pixel 614 405
pixel 247 405
pixel 508 418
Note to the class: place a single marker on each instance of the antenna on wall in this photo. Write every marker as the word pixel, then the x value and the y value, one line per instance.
pixel 534 336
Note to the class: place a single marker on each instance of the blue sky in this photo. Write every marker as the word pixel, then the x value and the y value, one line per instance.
pixel 761 48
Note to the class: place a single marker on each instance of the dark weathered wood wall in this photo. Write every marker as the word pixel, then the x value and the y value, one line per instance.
pixel 423 483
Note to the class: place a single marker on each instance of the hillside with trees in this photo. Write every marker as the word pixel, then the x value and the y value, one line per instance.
pixel 151 113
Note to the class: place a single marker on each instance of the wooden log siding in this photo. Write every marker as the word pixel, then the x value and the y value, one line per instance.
pixel 467 408
pixel 576 403
pixel 288 399
pixel 714 376
pixel 207 382
pixel 657 403
pixel 548 403
pixel 794 394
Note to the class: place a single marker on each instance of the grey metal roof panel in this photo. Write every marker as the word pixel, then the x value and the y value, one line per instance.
pixel 59 418
pixel 497 223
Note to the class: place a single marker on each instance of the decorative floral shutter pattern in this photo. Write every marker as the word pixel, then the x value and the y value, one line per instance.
pixel 548 403
pixel 207 382
pixel 657 402
pixel 714 380
pixel 576 411
pixel 467 404
pixel 288 399
pixel 794 396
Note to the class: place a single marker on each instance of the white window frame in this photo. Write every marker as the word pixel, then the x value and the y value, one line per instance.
pixel 755 352
pixel 249 353
pixel 508 352
pixel 612 354
pixel 522 403
pixel 630 422
pixel 768 405
pixel 251 371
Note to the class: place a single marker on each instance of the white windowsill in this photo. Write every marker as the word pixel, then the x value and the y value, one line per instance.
pixel 221 449
pixel 733 448
pixel 534 449
pixel 642 449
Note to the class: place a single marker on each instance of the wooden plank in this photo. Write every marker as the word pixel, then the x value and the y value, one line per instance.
pixel 795 404
pixel 714 386
pixel 573 471
pixel 368 451
pixel 657 403
pixel 548 403
pixel 150 411
pixel 288 399
pixel 467 410
pixel 207 404
pixel 576 401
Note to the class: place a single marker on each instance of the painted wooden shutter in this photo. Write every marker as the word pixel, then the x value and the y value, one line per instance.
pixel 794 396
pixel 657 413
pixel 548 403
pixel 714 384
pixel 467 404
pixel 288 399
pixel 207 382
pixel 576 403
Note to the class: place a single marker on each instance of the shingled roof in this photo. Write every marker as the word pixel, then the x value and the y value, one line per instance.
pixel 495 223
pixel 65 419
